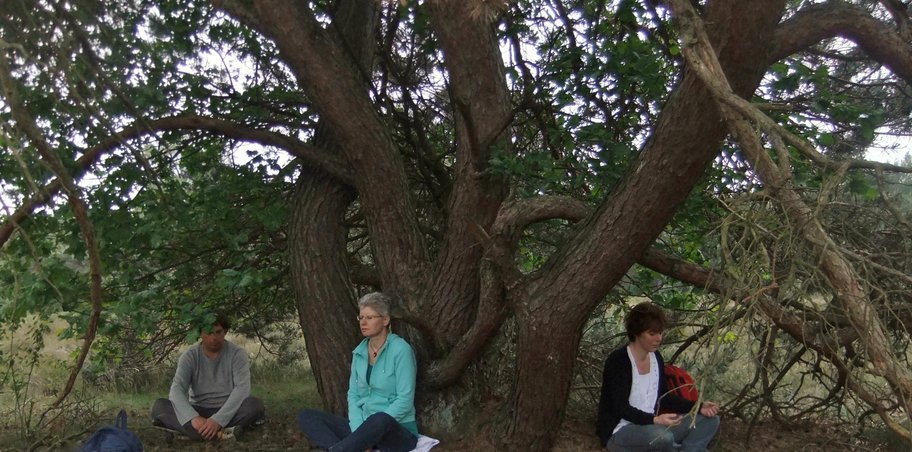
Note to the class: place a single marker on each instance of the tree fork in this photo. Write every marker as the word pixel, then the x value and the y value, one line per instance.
pixel 609 241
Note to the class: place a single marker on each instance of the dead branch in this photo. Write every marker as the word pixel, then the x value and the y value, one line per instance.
pixel 701 57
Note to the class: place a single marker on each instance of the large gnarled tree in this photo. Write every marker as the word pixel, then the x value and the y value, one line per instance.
pixel 429 137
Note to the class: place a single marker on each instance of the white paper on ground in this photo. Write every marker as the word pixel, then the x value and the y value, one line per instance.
pixel 425 443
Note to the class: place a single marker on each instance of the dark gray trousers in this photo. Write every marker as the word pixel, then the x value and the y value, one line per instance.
pixel 251 410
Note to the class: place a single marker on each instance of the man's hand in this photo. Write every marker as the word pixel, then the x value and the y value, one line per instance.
pixel 709 409
pixel 667 419
pixel 206 427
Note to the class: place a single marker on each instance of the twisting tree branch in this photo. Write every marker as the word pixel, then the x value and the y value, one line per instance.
pixel 499 277
pixel 830 19
pixel 29 128
pixel 311 155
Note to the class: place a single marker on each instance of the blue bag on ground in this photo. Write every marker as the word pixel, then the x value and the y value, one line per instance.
pixel 113 438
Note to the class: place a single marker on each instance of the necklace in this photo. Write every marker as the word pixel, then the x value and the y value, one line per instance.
pixel 373 350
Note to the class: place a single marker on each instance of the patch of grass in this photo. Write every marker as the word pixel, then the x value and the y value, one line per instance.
pixel 285 388
pixel 281 386
pixel 34 426
pixel 285 384
pixel 888 437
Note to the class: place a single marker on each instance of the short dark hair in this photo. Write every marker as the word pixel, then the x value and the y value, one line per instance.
pixel 645 316
pixel 222 320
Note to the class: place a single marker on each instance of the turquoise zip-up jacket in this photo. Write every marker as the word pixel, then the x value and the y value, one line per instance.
pixel 392 384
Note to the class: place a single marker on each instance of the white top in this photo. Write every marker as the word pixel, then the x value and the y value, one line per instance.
pixel 644 390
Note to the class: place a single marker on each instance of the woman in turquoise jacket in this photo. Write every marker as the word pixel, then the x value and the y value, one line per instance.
pixel 381 391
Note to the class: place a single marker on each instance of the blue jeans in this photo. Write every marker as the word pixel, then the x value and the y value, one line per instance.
pixel 379 431
pixel 659 438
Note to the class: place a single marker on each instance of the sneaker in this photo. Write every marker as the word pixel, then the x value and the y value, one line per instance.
pixel 157 422
pixel 229 433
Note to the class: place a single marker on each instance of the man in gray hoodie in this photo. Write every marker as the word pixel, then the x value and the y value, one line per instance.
pixel 211 388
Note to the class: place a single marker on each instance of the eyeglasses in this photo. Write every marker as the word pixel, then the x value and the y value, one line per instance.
pixel 369 317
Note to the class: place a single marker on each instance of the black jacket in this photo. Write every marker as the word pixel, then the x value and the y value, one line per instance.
pixel 614 403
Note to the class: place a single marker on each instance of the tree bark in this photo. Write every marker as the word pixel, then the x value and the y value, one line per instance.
pixel 323 294
pixel 322 283
pixel 835 18
pixel 482 112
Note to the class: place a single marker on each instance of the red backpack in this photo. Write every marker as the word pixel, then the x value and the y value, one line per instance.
pixel 680 383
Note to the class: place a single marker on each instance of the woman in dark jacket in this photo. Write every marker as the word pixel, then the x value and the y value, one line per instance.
pixel 634 387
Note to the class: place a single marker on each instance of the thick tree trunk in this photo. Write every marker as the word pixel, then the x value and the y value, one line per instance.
pixel 322 285
pixel 545 358
pixel 329 75
pixel 320 276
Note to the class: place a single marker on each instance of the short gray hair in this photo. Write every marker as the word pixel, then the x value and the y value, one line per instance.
pixel 379 301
